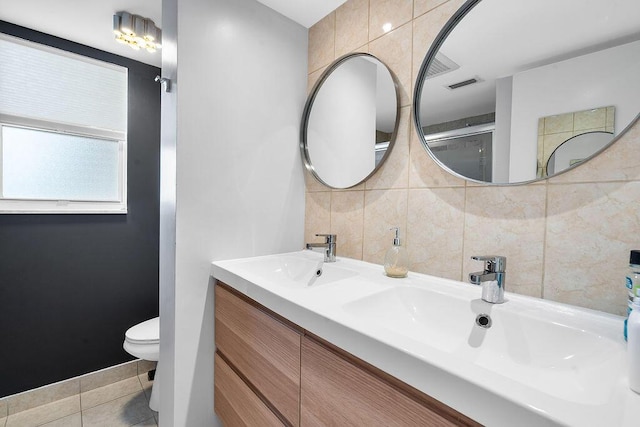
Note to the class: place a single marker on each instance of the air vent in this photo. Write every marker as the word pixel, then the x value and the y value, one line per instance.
pixel 440 65
pixel 462 84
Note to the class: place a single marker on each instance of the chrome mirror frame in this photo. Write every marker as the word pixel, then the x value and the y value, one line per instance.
pixel 309 105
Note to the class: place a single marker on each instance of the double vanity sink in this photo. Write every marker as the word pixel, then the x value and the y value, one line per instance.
pixel 527 361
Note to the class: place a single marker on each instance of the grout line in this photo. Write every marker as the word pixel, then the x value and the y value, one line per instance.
pixel 544 239
pixel 464 229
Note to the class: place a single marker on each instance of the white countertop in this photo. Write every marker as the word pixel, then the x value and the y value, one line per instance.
pixel 521 386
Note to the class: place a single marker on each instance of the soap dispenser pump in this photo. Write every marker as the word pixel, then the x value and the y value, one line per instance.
pixel 396 262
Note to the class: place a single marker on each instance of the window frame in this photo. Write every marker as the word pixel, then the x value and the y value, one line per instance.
pixel 53 206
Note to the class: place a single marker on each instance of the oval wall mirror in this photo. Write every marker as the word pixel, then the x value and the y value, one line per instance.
pixel 507 82
pixel 350 121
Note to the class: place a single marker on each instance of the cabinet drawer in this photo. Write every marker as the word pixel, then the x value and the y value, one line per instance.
pixel 263 349
pixel 235 403
pixel 337 392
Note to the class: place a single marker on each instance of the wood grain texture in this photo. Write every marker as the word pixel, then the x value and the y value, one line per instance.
pixel 263 349
pixel 336 392
pixel 235 403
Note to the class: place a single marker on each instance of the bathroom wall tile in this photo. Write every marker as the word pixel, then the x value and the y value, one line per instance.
pixel 619 162
pixel 123 412
pixel 322 42
pixel 424 171
pixel 387 15
pixel 108 376
pixel 558 123
pixel 145 366
pixel 590 119
pixel 394 173
pixel 313 78
pixel 394 49
pixel 110 392
pixel 347 218
pixel 4 409
pixel 74 420
pixel 552 141
pixel 312 184
pixel 508 221
pixel 435 225
pixel 427 27
pixel 590 230
pixel 352 26
pixel 383 209
pixel 611 115
pixel 45 413
pixel 421 7
pixel 317 215
pixel 43 395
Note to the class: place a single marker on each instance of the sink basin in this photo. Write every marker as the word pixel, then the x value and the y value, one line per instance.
pixel 541 363
pixel 532 344
pixel 301 269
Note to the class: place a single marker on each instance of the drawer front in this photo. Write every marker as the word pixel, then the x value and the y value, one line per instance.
pixel 263 349
pixel 235 403
pixel 337 392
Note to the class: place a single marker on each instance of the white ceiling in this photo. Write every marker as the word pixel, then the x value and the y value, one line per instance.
pixel 304 12
pixel 90 22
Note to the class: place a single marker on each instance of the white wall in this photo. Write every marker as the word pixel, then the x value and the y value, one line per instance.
pixel 568 86
pixel 502 133
pixel 342 124
pixel 240 188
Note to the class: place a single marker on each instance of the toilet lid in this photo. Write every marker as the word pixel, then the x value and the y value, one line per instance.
pixel 147 332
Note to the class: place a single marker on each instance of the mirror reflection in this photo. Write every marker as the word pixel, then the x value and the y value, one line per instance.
pixel 580 134
pixel 497 87
pixel 350 121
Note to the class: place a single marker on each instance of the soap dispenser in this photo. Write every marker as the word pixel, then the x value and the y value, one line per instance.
pixel 396 262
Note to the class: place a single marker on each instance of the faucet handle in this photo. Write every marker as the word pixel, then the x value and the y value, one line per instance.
pixel 492 263
pixel 329 238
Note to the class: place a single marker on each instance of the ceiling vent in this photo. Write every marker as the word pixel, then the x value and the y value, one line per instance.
pixel 462 84
pixel 440 65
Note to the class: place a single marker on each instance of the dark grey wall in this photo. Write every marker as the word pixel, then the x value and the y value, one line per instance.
pixel 70 285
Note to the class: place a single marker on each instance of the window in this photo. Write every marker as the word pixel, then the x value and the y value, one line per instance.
pixel 63 121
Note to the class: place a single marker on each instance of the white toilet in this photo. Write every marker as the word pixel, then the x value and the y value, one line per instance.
pixel 143 341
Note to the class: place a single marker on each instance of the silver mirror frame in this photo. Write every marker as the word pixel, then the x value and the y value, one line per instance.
pixel 309 105
pixel 417 94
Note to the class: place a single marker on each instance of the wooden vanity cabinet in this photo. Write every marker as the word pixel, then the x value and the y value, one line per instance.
pixel 235 403
pixel 262 350
pixel 339 389
pixel 270 372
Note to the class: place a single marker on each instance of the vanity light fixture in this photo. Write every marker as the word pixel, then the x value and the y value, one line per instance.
pixel 137 32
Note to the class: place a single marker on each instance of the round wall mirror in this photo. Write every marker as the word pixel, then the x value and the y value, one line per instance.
pixel 350 121
pixel 507 82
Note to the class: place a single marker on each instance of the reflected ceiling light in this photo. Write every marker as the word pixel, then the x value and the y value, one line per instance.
pixel 137 32
pixel 387 27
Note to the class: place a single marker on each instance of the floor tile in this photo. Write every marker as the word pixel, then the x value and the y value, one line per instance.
pixel 146 385
pixel 108 376
pixel 125 411
pixel 3 421
pixel 45 413
pixel 110 392
pixel 43 395
pixel 151 422
pixel 74 420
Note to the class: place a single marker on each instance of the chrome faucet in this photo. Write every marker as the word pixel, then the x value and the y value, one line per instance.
pixel 329 246
pixel 492 279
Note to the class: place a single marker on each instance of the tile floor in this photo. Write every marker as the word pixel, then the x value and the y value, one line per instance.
pixel 122 404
